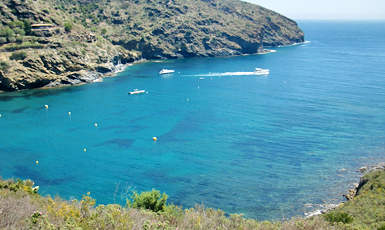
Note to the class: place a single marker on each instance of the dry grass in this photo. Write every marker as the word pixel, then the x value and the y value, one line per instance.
pixel 21 208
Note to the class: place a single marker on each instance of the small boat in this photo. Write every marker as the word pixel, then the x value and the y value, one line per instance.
pixel 136 91
pixel 163 71
pixel 259 71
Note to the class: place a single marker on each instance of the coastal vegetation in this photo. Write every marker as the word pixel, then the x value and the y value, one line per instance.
pixel 21 207
pixel 70 42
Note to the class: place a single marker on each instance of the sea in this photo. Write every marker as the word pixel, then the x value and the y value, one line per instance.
pixel 267 146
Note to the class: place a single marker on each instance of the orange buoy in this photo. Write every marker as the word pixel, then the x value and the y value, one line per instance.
pixel 154 138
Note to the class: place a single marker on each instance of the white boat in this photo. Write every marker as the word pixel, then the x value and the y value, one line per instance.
pixel 136 91
pixel 259 71
pixel 163 71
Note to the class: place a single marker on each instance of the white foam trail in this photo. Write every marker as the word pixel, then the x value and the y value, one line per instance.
pixel 225 74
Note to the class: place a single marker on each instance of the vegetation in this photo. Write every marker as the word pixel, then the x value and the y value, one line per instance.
pixel 21 207
pixel 148 200
pixel 4 66
pixel 129 30
pixel 18 56
pixel 367 209
pixel 68 27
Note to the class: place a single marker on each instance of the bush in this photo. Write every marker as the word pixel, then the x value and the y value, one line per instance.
pixel 68 27
pixel 27 26
pixel 104 31
pixel 18 56
pixel 7 32
pixel 3 40
pixel 18 30
pixel 151 200
pixel 4 66
pixel 19 39
pixel 338 217
pixel 206 38
pixel 11 39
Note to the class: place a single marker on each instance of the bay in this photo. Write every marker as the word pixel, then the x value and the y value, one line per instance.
pixel 266 146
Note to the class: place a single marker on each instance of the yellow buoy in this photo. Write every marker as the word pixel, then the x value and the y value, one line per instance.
pixel 0 115
pixel 96 124
pixel 46 106
pixel 154 138
pixel 85 150
pixel 37 162
pixel 69 113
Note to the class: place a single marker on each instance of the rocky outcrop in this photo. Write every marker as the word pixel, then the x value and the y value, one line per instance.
pixel 101 35
pixel 62 66
pixel 364 170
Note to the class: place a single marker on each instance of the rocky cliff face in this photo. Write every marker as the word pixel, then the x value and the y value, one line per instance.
pixel 88 38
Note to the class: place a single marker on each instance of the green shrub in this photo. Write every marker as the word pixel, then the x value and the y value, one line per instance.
pixel 12 24
pixel 18 30
pixel 19 39
pixel 206 38
pixel 46 11
pixel 382 227
pixel 4 66
pixel 27 26
pixel 151 200
pixel 11 39
pixel 68 27
pixel 18 56
pixel 7 32
pixel 104 31
pixel 338 217
pixel 3 40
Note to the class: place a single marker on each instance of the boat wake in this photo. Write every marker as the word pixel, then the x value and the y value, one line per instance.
pixel 225 74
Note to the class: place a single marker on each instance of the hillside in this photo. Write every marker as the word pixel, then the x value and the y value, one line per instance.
pixel 21 207
pixel 84 39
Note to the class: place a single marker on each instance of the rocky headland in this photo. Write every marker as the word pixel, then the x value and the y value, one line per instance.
pixel 46 43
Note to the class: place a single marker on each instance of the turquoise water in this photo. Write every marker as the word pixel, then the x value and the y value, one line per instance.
pixel 260 145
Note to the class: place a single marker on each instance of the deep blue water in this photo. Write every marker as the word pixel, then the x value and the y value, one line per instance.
pixel 260 145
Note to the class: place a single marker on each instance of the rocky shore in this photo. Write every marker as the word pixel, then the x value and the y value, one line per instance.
pixel 47 44
pixel 351 193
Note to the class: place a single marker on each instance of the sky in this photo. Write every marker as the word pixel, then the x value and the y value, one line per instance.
pixel 326 9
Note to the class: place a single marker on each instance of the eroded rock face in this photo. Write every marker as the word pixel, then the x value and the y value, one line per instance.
pixel 61 67
pixel 120 34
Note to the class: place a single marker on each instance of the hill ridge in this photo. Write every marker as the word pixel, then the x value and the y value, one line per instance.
pixel 87 36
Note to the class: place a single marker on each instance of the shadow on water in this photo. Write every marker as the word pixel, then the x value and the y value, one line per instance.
pixel 39 179
pixel 118 142
pixel 20 110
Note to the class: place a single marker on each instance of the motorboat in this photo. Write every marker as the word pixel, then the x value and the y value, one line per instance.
pixel 163 71
pixel 259 71
pixel 136 91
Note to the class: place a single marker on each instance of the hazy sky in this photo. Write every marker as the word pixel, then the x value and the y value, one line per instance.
pixel 326 9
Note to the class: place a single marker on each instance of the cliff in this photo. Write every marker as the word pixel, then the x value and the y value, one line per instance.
pixel 83 39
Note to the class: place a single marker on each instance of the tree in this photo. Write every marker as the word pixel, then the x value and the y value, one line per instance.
pixel 27 26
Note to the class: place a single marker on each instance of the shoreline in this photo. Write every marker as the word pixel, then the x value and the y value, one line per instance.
pixel 93 76
pixel 350 193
